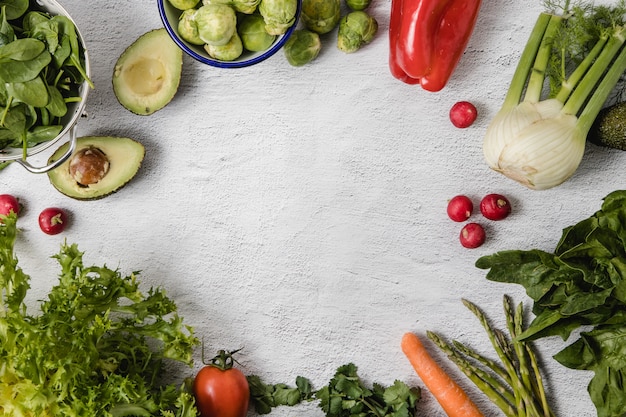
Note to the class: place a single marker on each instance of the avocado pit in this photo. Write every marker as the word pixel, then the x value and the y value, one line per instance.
pixel 99 166
pixel 89 166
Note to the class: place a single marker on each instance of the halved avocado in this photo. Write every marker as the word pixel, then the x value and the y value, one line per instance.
pixel 99 166
pixel 147 74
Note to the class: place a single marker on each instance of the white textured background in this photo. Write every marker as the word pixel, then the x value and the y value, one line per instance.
pixel 300 212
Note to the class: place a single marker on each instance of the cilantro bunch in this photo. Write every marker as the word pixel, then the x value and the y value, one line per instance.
pixel 97 347
pixel 345 396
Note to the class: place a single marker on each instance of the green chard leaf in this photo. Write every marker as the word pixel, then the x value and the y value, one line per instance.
pixel 602 350
pixel 536 270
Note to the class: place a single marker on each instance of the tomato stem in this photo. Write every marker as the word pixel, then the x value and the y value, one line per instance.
pixel 224 359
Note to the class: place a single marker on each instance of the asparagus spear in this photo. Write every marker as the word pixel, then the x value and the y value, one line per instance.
pixel 515 384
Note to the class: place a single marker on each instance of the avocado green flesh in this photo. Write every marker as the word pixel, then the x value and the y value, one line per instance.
pixel 125 157
pixel 147 74
pixel 609 128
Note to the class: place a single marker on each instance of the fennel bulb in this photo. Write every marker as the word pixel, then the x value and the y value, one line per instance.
pixel 538 138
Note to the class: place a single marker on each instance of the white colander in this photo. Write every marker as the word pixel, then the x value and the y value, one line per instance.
pixel 74 111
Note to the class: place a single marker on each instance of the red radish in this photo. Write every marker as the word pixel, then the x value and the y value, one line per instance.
pixel 463 114
pixel 460 208
pixel 472 235
pixel 52 220
pixel 495 206
pixel 8 204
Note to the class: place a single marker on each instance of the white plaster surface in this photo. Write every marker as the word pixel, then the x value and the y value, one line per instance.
pixel 300 213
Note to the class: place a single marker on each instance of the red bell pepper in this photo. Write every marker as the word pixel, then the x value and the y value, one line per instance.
pixel 427 39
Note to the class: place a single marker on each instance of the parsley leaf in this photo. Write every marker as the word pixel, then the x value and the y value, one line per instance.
pixel 344 396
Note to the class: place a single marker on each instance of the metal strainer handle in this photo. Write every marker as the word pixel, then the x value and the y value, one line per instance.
pixel 54 164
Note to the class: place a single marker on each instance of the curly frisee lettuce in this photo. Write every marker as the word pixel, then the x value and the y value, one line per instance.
pixel 97 347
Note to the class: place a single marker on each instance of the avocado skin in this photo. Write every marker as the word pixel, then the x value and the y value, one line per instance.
pixel 609 128
pixel 130 154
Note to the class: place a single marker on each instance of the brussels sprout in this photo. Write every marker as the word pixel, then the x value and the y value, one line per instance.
pixel 358 4
pixel 355 30
pixel 302 47
pixel 207 2
pixel 279 15
pixel 242 6
pixel 228 52
pixel 252 32
pixel 184 4
pixel 187 28
pixel 246 6
pixel 217 23
pixel 321 16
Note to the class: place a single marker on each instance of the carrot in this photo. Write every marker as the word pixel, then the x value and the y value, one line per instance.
pixel 454 401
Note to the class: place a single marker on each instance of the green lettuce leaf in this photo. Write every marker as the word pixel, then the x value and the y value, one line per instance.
pixel 97 346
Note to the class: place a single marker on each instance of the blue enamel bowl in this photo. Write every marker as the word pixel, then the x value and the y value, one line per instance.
pixel 170 16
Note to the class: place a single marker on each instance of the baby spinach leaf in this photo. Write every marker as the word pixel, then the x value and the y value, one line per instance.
pixel 31 20
pixel 41 66
pixel 15 119
pixel 68 30
pixel 45 30
pixel 56 105
pixel 33 92
pixel 39 134
pixel 21 50
pixel 6 29
pixel 63 51
pixel 14 8
pixel 19 71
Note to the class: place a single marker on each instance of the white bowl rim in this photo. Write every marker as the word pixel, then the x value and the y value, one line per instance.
pixel 276 46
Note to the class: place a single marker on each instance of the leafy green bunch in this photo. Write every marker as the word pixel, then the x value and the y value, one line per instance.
pixel 580 286
pixel 97 348
pixel 41 71
pixel 345 396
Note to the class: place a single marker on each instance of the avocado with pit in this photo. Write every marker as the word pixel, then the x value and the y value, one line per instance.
pixel 99 166
pixel 147 74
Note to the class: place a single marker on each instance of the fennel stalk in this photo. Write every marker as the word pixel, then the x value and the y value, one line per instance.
pixel 568 68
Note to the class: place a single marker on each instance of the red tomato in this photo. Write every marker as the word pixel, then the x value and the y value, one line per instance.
pixel 221 393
